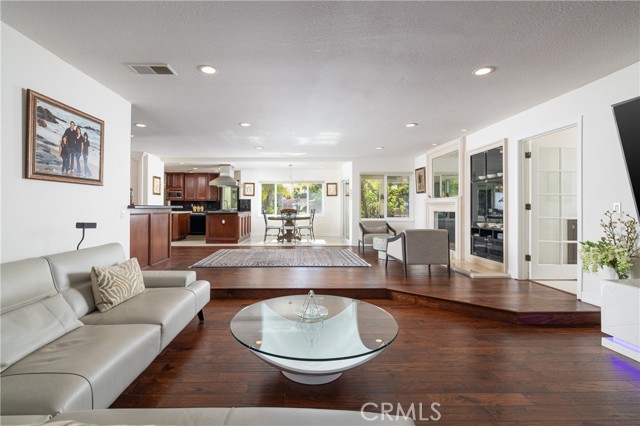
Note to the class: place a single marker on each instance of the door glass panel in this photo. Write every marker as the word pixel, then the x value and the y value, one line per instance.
pixel 549 183
pixel 549 159
pixel 570 253
pixel 570 182
pixel 549 253
pixel 548 206
pixel 569 206
pixel 569 160
pixel 549 229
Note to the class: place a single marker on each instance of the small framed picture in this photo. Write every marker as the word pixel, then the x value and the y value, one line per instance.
pixel 157 183
pixel 249 189
pixel 421 183
pixel 332 189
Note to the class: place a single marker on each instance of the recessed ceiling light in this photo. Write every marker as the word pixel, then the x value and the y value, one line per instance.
pixel 411 124
pixel 195 168
pixel 379 147
pixel 464 130
pixel 140 125
pixel 259 148
pixel 244 124
pixel 207 69
pixel 132 135
pixel 484 71
pixel 181 163
pixel 434 144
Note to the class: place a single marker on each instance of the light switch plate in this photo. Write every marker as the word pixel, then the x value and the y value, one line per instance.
pixel 617 207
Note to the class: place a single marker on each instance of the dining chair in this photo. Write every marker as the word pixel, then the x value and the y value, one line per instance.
pixel 308 227
pixel 268 227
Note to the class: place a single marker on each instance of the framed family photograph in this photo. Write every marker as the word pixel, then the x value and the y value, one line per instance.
pixel 249 189
pixel 421 183
pixel 332 189
pixel 63 143
pixel 157 183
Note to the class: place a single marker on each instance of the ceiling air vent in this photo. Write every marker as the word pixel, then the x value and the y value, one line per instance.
pixel 152 69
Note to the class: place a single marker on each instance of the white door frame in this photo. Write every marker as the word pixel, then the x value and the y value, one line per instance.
pixel 524 192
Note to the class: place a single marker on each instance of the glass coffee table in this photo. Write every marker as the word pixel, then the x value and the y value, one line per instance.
pixel 315 349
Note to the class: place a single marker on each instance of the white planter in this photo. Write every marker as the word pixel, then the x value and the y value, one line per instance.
pixel 621 316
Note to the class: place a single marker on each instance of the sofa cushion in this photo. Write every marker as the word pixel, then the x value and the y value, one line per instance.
pixel 25 282
pixel 169 308
pixel 107 358
pixel 72 273
pixel 27 329
pixel 113 285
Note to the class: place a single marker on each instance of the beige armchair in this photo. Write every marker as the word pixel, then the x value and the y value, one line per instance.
pixel 374 228
pixel 420 247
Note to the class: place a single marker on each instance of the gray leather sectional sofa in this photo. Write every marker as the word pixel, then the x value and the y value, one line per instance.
pixel 58 353
pixel 63 362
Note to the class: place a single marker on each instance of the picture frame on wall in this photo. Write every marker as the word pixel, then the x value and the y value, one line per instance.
pixel 249 189
pixel 332 189
pixel 421 181
pixel 64 144
pixel 157 183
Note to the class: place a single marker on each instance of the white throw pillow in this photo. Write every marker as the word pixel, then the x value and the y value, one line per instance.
pixel 113 285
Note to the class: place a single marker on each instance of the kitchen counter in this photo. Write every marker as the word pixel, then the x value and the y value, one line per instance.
pixel 154 207
pixel 227 226
pixel 225 212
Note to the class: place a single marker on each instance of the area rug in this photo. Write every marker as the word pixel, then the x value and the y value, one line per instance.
pixel 268 258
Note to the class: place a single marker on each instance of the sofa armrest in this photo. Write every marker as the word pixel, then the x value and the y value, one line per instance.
pixel 155 279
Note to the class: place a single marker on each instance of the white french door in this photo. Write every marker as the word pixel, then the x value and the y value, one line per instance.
pixel 553 196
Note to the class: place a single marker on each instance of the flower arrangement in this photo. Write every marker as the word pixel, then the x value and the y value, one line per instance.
pixel 616 249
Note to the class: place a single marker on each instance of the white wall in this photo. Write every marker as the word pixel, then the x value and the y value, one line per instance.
pixel 38 217
pixel 604 178
pixel 326 224
pixel 150 166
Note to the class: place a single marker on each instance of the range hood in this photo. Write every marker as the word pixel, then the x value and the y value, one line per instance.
pixel 226 178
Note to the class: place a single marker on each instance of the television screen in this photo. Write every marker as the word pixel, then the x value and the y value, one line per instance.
pixel 627 116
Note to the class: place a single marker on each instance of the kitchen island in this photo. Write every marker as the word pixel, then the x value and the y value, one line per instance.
pixel 227 226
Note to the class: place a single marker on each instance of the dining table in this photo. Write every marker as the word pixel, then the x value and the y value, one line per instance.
pixel 288 223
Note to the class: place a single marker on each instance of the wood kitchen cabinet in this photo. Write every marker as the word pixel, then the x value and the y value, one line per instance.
pixel 174 181
pixel 150 235
pixel 197 188
pixel 228 227
pixel 180 223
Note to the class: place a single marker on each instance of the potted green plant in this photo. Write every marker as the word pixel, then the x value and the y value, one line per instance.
pixel 616 249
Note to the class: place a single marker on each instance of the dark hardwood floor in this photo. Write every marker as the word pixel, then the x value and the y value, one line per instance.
pixel 480 371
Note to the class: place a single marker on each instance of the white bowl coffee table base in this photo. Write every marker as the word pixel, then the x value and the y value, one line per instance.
pixel 313 372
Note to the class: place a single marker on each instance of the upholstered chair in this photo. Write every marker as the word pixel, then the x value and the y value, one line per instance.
pixel 420 247
pixel 374 228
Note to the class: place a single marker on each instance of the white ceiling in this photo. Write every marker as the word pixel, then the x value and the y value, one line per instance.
pixel 328 81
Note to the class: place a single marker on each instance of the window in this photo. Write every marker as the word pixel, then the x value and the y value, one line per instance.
pixel 385 196
pixel 297 195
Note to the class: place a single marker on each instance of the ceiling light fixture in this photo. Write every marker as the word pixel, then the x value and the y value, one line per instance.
pixel 411 124
pixel 195 168
pixel 484 71
pixel 434 144
pixel 379 147
pixel 244 124
pixel 207 69
pixel 140 125
pixel 464 130
pixel 259 148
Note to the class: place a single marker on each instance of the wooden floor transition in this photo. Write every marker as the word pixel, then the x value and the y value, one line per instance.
pixel 519 302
